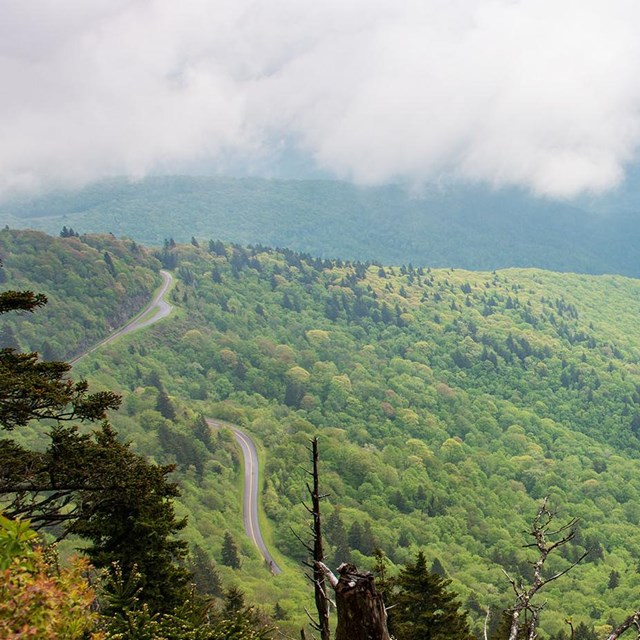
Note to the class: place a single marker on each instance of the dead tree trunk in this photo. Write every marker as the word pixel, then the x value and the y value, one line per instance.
pixel 322 601
pixel 316 550
pixel 361 612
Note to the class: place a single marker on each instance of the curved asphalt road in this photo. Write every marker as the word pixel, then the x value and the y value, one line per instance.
pixel 251 493
pixel 158 309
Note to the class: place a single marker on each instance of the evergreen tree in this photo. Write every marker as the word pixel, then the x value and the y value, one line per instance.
pixel 182 446
pixel 165 406
pixel 88 484
pixel 380 570
pixel 336 535
pixel 202 431
pixel 204 573
pixel 438 568
pixel 421 497
pixel 500 627
pixel 368 543
pixel 423 608
pixel 109 262
pixel 8 338
pixel 234 600
pixel 582 632
pixel 279 613
pixel 230 556
pixel 134 525
pixel 217 247
pixel 31 389
pixel 354 537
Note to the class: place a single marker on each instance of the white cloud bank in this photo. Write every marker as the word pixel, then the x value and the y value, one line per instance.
pixel 543 94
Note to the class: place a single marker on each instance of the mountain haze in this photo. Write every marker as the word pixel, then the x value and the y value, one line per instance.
pixel 453 225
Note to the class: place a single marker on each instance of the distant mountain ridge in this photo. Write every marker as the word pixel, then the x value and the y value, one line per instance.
pixel 463 227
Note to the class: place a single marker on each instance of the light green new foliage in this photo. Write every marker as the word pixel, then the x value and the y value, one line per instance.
pixel 447 404
pixel 16 540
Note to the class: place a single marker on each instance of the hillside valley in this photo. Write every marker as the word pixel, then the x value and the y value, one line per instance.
pixel 448 403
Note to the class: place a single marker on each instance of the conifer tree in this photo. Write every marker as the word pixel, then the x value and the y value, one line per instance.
pixel 109 262
pixel 614 579
pixel 438 568
pixel 380 570
pixel 202 431
pixel 31 389
pixel 230 555
pixel 423 608
pixel 354 536
pixel 8 338
pixel 336 534
pixel 165 406
pixel 204 573
pixel 368 544
pixel 134 525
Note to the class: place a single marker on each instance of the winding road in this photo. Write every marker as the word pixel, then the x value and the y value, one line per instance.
pixel 251 492
pixel 156 310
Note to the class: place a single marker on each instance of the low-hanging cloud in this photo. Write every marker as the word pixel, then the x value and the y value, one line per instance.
pixel 535 93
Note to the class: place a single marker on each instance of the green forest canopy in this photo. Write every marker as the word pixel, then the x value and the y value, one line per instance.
pixel 447 404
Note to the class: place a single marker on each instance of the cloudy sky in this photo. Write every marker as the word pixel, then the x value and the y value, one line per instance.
pixel 542 94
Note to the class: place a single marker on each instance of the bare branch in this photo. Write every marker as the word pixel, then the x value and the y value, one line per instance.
pixel 512 581
pixel 619 630
pixel 571 566
pixel 333 581
pixel 300 540
pixel 541 533
pixel 312 620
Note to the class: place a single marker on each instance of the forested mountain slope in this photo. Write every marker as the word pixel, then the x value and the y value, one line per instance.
pixel 452 225
pixel 93 284
pixel 448 404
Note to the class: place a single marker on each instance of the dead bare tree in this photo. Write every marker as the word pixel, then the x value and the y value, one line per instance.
pixel 543 537
pixel 317 550
pixel 361 611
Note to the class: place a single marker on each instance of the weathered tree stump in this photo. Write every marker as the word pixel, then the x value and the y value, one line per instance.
pixel 361 612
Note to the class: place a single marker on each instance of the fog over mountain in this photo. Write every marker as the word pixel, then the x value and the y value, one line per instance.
pixel 535 94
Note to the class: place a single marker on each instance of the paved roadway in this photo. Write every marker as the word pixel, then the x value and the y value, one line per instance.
pixel 251 493
pixel 156 310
